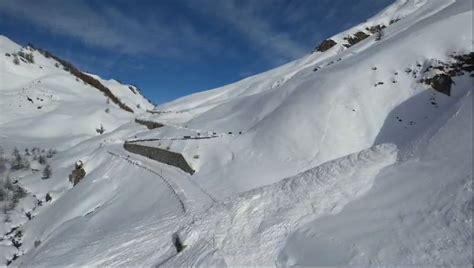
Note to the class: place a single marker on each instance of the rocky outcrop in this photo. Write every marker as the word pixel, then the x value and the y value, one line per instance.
pixel 148 124
pixel 354 39
pixel 442 83
pixel 325 45
pixel 160 155
pixel 442 80
pixel 375 29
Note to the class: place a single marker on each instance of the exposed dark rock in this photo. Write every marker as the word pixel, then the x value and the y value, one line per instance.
pixel 177 243
pixel 441 83
pixel 376 28
pixel 325 45
pixel 464 62
pixel 16 239
pixel 148 124
pixel 160 155
pixel 392 21
pixel 132 89
pixel 13 258
pixel 356 38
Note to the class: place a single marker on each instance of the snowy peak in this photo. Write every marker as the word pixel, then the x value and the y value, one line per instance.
pixel 113 93
pixel 114 90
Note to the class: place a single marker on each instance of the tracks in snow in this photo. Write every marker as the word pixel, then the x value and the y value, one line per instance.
pixel 166 181
pixel 175 189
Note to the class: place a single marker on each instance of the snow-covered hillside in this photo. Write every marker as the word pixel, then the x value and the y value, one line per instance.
pixel 293 118
pixel 357 154
pixel 41 99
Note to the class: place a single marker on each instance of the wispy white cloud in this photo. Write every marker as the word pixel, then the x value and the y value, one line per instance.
pixel 108 27
pixel 251 20
pixel 278 30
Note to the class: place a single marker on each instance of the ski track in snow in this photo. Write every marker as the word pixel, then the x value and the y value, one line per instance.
pixel 174 189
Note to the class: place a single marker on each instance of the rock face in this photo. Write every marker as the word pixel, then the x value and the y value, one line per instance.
pixel 78 173
pixel 148 124
pixel 442 83
pixel 325 45
pixel 160 155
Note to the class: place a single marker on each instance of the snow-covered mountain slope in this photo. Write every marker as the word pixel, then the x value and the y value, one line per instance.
pixel 41 99
pixel 419 212
pixel 293 118
pixel 344 157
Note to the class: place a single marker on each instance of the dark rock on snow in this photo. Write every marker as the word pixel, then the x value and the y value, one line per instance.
pixel 326 45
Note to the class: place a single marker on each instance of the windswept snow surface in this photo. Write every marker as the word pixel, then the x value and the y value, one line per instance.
pixel 419 212
pixel 248 229
pixel 357 163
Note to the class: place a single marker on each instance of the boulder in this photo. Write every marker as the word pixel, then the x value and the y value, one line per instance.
pixel 442 83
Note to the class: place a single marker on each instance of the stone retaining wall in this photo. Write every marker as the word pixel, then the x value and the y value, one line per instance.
pixel 160 155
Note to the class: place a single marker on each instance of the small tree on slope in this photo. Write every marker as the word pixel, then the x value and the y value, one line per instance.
pixel 17 160
pixel 47 172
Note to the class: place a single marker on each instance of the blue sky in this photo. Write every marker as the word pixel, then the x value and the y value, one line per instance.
pixel 172 48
